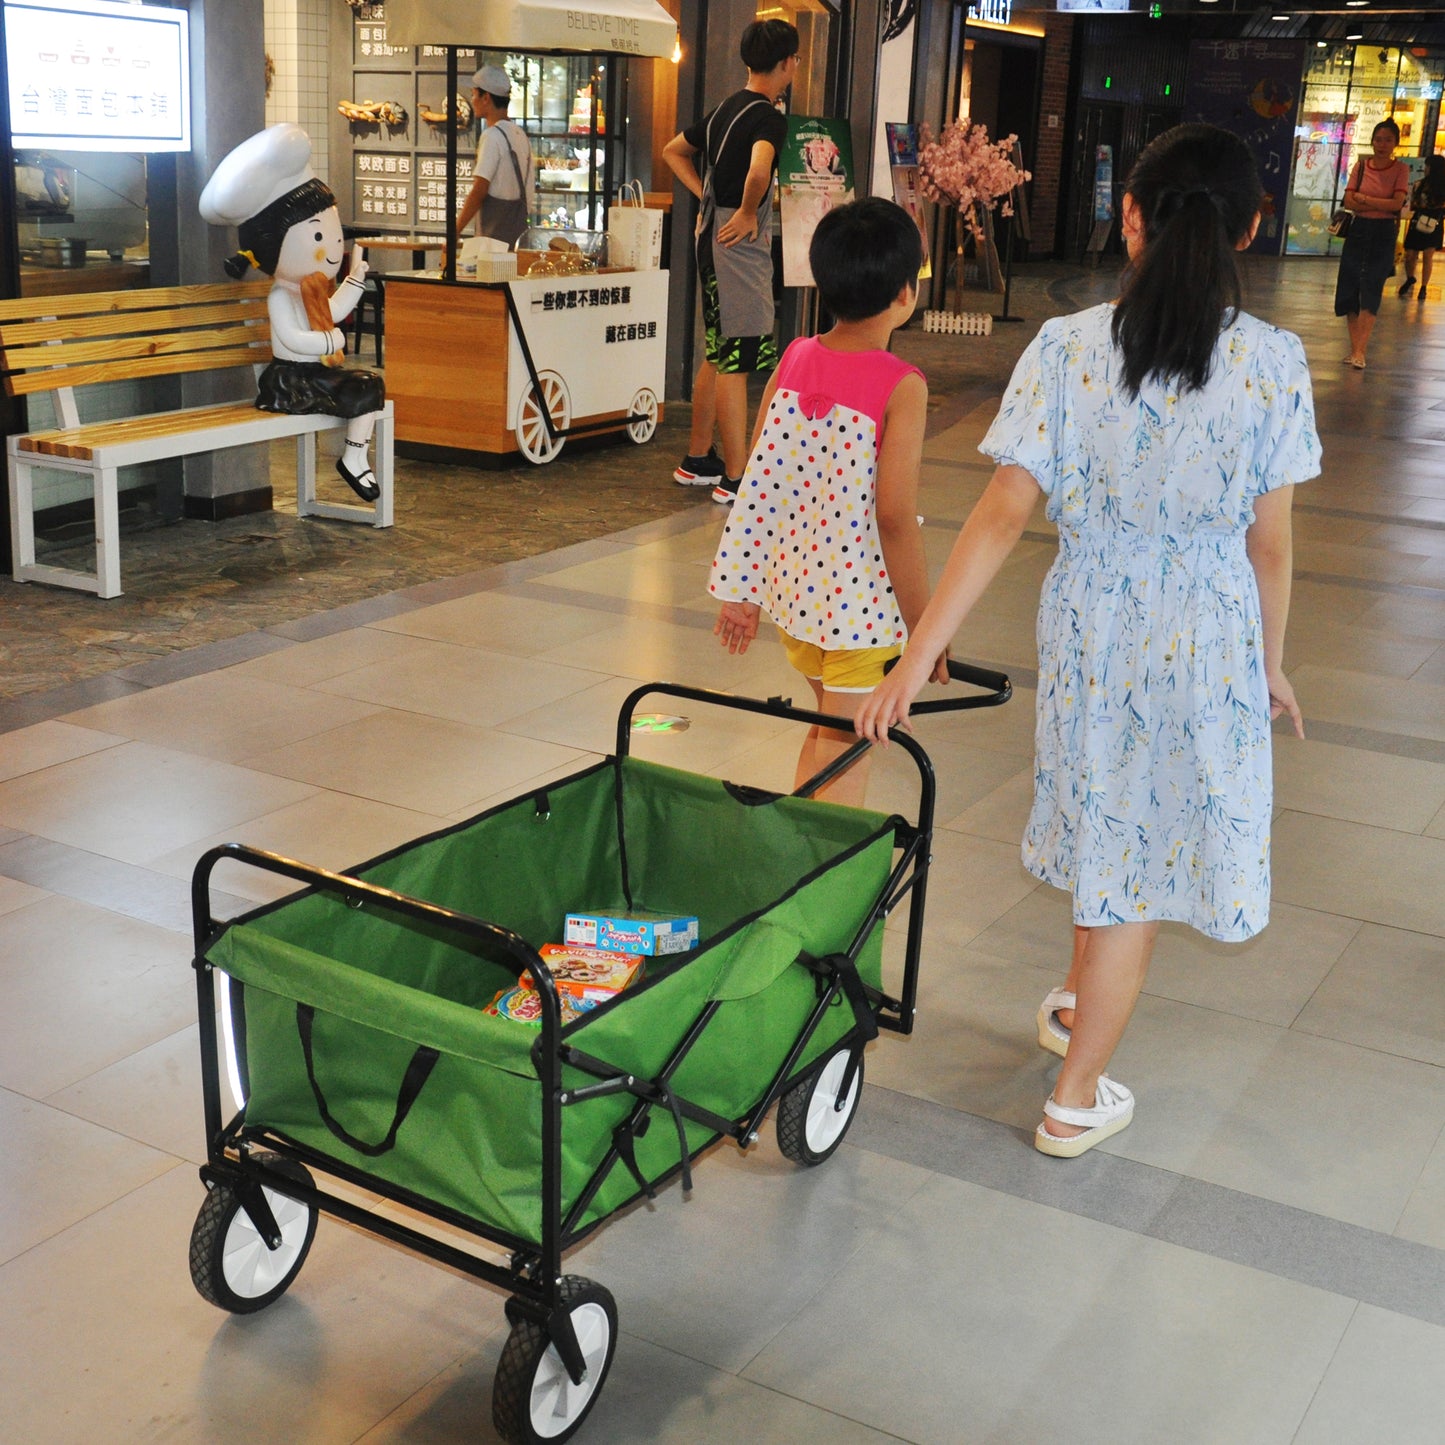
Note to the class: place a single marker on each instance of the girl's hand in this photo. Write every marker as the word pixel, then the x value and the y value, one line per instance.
pixel 1282 700
pixel 940 668
pixel 737 625
pixel 887 706
pixel 358 267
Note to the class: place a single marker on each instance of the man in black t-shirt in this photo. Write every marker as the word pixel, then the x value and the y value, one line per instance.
pixel 727 160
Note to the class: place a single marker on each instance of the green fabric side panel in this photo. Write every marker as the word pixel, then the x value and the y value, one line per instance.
pixel 472 1140
pixel 694 848
pixel 748 1038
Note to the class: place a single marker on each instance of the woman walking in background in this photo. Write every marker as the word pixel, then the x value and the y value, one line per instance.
pixel 1376 195
pixel 1427 221
pixel 1166 431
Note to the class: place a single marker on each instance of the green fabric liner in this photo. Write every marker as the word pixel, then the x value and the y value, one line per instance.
pixel 767 882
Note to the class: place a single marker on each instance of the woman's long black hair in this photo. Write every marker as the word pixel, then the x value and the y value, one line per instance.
pixel 1198 190
pixel 1430 189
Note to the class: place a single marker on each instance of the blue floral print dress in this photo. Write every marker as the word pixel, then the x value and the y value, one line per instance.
pixel 1153 789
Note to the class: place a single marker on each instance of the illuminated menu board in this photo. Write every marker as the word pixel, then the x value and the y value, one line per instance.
pixel 98 75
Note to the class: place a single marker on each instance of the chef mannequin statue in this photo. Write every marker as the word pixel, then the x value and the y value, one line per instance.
pixel 289 228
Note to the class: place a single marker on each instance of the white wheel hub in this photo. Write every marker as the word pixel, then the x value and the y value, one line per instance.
pixel 826 1120
pixel 644 406
pixel 249 1267
pixel 556 1402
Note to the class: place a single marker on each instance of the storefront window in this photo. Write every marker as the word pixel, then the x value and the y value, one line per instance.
pixel 1348 91
pixel 816 33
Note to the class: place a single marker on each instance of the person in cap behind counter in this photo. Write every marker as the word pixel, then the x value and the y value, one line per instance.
pixel 502 188
pixel 290 228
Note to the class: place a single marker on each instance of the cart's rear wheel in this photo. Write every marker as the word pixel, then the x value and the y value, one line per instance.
pixel 231 1265
pixel 547 397
pixel 812 1118
pixel 533 1397
pixel 644 405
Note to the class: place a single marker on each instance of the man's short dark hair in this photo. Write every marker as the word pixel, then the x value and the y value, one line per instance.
pixel 767 43
pixel 863 254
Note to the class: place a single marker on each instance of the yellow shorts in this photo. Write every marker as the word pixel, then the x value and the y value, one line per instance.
pixel 849 669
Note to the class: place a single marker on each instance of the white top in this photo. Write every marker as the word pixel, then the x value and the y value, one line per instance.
pixel 496 169
pixel 293 338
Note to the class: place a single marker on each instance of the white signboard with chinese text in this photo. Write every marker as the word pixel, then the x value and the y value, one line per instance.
pixel 604 335
pixel 98 76
pixel 625 27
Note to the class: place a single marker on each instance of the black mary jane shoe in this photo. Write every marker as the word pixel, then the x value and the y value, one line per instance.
pixel 368 491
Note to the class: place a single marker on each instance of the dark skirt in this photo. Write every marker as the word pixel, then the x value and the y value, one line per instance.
pixel 305 388
pixel 1368 261
pixel 1417 239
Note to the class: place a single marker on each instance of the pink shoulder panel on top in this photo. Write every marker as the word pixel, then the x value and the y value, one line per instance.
pixel 860 381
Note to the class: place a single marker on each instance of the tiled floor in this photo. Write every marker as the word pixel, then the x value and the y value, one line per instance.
pixel 1259 1258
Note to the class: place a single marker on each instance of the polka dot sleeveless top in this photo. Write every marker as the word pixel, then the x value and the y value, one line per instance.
pixel 802 538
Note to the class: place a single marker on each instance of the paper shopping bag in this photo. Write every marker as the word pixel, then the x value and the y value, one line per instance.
pixel 634 232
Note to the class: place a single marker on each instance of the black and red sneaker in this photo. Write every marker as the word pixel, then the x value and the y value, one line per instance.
pixel 726 491
pixel 705 471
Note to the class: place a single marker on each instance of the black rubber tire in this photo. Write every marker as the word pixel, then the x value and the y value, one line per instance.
pixel 223 1234
pixel 531 1381
pixel 809 1127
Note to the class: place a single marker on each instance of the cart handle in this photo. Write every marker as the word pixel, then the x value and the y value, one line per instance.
pixel 999 690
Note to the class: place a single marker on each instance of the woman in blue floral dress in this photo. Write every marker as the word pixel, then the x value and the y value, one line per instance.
pixel 1167 432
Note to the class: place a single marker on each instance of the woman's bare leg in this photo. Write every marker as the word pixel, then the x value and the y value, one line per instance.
pixel 1107 980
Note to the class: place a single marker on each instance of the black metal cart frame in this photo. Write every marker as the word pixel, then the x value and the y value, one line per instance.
pixel 244 1159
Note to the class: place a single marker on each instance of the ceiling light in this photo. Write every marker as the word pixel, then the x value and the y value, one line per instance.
pixel 1279 17
pixel 1355 35
pixel 1356 4
pixel 1322 44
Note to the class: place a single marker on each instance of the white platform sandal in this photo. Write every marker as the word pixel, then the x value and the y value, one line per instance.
pixel 1113 1110
pixel 1053 1036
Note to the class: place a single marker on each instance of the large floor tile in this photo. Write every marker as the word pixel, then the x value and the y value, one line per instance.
pixel 81 988
pixel 1373 874
pixel 971 1315
pixel 501 621
pixel 327 830
pixel 1381 1385
pixel 361 1330
pixel 84 1168
pixel 304 664
pixel 1384 993
pixel 15 895
pixel 642 576
pixel 467 684
pixel 1360 786
pixel 1328 1127
pixel 1423 1218
pixel 223 716
pixel 1416 709
pixel 431 765
pixel 138 801
pixel 27 750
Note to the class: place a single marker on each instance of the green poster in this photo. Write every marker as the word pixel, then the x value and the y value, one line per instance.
pixel 815 173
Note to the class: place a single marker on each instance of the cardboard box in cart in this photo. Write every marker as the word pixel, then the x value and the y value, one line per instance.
pixel 651 934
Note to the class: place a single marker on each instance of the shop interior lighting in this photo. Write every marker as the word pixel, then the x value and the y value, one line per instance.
pixel 677 51
pixel 1355 35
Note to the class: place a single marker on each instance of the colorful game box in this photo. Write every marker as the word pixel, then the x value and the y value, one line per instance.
pixel 591 973
pixel 650 933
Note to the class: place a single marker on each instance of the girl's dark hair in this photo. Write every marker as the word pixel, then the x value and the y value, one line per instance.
pixel 1387 124
pixel 863 254
pixel 1198 190
pixel 1430 188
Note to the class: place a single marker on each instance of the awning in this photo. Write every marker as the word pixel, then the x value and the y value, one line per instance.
pixel 622 27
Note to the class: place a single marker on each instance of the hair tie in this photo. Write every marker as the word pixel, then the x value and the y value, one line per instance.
pixel 239 263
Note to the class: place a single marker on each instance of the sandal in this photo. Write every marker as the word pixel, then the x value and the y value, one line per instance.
pixel 1113 1110
pixel 1053 1036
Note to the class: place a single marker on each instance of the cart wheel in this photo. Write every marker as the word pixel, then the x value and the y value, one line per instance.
pixel 549 395
pixel 644 405
pixel 231 1265
pixel 533 1397
pixel 812 1119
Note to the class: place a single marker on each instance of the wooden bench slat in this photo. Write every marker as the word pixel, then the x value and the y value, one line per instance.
pixel 81 443
pixel 27 333
pixel 125 348
pixel 29 308
pixel 27 383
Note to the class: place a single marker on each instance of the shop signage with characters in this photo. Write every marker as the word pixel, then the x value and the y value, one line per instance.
pixel 815 173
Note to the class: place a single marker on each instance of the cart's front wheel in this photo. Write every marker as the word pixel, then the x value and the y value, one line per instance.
pixel 644 408
pixel 231 1265
pixel 814 1116
pixel 533 1398
pixel 547 398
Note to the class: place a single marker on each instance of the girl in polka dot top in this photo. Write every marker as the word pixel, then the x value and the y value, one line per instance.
pixel 824 533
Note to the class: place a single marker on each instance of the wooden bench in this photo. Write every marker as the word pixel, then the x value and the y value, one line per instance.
pixel 63 342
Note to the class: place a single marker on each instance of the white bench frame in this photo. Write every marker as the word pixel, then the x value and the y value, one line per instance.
pixel 107 458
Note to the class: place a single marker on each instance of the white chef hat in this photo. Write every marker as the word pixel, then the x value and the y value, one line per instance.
pixel 492 80
pixel 263 188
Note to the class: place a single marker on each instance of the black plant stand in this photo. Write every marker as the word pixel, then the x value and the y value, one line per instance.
pixel 1008 271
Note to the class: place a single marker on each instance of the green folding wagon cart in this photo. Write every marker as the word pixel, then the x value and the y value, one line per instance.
pixel 354 1022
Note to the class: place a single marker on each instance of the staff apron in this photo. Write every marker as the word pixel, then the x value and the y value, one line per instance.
pixel 506 220
pixel 744 271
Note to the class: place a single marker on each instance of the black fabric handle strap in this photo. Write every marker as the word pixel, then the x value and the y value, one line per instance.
pixel 417 1073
